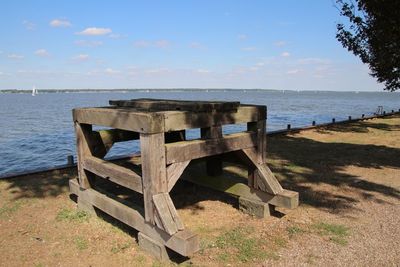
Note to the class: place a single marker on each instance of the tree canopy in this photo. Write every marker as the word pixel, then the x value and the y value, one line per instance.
pixel 373 34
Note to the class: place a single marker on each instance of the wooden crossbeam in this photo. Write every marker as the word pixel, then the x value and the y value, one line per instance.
pixel 166 213
pixel 271 184
pixel 194 149
pixel 120 118
pixel 183 242
pixel 167 104
pixel 174 171
pixel 181 120
pixel 117 174
pixel 236 186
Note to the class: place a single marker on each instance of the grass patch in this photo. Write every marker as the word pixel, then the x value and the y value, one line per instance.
pixel 238 245
pixel 81 243
pixel 120 247
pixel 72 215
pixel 9 208
pixel 337 233
pixel 294 230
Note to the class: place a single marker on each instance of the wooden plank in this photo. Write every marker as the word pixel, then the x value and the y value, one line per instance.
pixel 174 171
pixel 84 149
pixel 180 120
pixel 183 242
pixel 173 212
pixel 175 136
pixel 167 221
pixel 117 174
pixel 111 136
pixel 168 104
pixel 125 119
pixel 213 163
pixel 258 127
pixel 154 172
pixel 272 185
pixel 237 187
pixel 193 149
pixel 105 139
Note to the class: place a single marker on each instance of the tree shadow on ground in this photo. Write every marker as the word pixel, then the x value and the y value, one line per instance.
pixel 359 127
pixel 302 164
pixel 41 185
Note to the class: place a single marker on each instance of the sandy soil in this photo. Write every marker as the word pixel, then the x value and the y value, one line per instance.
pixel 348 177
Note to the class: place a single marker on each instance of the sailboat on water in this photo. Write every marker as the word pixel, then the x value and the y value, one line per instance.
pixel 34 91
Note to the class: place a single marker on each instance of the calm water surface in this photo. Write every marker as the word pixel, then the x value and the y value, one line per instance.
pixel 38 131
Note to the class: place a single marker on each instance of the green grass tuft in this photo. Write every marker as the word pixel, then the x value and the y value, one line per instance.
pixel 337 233
pixel 9 208
pixel 81 243
pixel 120 247
pixel 294 230
pixel 72 215
pixel 246 248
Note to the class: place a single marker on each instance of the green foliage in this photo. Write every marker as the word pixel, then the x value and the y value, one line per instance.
pixel 337 233
pixel 81 243
pixel 373 34
pixel 9 208
pixel 245 248
pixel 72 215
pixel 294 230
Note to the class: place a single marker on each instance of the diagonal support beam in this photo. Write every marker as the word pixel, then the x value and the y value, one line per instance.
pixel 269 180
pixel 174 171
pixel 167 216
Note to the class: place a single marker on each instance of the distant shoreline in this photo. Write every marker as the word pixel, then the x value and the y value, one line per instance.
pixel 144 90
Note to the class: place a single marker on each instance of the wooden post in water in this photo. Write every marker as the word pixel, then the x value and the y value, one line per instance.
pixel 362 116
pixel 288 126
pixel 333 120
pixel 70 160
pixel 313 123
pixel 349 118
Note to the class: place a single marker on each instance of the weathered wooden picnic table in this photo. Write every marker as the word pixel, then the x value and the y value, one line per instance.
pixel 165 153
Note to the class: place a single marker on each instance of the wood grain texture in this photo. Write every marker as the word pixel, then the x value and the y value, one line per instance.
pixel 194 149
pixel 183 242
pixel 84 149
pixel 272 185
pixel 174 171
pixel 117 174
pixel 120 118
pixel 167 213
pixel 154 172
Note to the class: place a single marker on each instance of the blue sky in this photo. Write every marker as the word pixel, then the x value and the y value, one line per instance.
pixel 284 44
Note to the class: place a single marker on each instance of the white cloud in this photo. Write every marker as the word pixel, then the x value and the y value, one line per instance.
pixel 162 43
pixel 15 56
pixel 159 43
pixel 280 43
pixel 313 60
pixel 81 57
pixel 285 54
pixel 260 64
pixel 141 43
pixel 111 71
pixel 95 31
pixel 196 45
pixel 60 23
pixel 203 71
pixel 86 43
pixel 250 48
pixel 42 53
pixel 116 36
pixel 242 36
pixel 294 71
pixel 29 25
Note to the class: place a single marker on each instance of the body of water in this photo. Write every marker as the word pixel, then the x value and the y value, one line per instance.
pixel 38 132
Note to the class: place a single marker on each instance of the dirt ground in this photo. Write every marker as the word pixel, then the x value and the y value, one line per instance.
pixel 348 177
